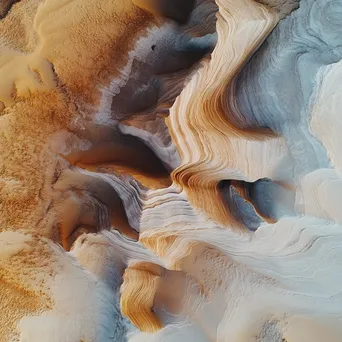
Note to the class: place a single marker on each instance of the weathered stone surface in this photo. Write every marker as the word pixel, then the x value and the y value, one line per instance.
pixel 170 170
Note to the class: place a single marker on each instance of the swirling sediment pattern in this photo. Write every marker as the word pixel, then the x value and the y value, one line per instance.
pixel 170 171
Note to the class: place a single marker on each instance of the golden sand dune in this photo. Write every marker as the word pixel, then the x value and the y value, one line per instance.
pixel 170 170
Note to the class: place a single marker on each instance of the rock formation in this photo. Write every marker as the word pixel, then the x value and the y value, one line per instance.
pixel 170 170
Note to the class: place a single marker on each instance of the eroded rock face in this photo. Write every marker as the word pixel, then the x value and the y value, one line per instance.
pixel 170 170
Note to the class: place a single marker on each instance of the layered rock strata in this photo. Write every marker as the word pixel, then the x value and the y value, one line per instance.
pixel 170 170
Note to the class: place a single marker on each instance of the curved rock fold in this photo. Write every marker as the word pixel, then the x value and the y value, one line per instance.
pixel 170 170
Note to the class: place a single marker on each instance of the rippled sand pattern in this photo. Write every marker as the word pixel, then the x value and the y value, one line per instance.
pixel 170 171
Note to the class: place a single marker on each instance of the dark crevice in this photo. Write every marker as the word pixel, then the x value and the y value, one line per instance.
pixel 156 80
pixel 247 201
pixel 177 10
pixel 88 204
pixel 127 151
pixel 5 7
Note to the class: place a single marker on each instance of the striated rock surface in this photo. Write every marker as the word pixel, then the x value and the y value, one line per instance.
pixel 170 170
